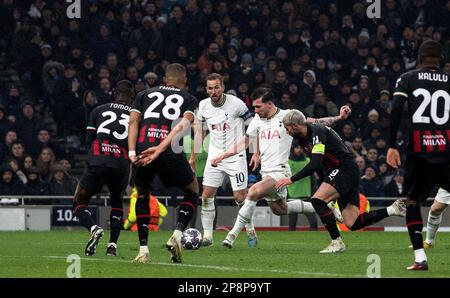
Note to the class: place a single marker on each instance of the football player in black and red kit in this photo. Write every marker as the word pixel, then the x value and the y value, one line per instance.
pixel 153 127
pixel 341 182
pixel 108 164
pixel 426 91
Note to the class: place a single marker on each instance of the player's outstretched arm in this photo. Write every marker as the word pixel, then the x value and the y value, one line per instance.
pixel 313 166
pixel 199 137
pixel 152 153
pixel 344 113
pixel 240 145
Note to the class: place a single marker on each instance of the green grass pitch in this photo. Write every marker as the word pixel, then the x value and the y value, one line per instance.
pixel 279 254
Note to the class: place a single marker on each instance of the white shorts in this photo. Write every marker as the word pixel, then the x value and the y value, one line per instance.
pixel 443 196
pixel 236 171
pixel 276 194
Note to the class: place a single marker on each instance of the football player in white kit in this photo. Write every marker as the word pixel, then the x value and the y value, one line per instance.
pixel 273 143
pixel 224 116
pixel 441 201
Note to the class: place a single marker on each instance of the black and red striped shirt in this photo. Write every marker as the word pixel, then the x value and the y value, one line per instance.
pixel 109 148
pixel 160 108
pixel 427 92
pixel 335 151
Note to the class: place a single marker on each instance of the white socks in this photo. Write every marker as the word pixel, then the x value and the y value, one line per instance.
pixel 299 206
pixel 249 227
pixel 143 249
pixel 390 211
pixel 244 216
pixel 420 255
pixel 432 227
pixel 208 214
pixel 177 234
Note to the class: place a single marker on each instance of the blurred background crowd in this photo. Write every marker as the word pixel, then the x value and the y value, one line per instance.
pixel 315 55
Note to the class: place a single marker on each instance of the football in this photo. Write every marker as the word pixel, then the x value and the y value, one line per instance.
pixel 191 239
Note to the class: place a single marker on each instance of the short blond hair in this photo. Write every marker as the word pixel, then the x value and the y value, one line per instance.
pixel 294 117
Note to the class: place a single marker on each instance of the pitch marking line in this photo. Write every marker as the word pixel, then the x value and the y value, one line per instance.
pixel 222 268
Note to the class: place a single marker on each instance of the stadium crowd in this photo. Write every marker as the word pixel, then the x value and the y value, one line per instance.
pixel 315 55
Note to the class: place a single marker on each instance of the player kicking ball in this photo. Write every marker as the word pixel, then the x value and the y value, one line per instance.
pixel 329 153
pixel 273 143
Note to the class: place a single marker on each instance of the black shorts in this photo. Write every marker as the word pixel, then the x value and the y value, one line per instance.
pixel 172 169
pixel 421 177
pixel 346 181
pixel 95 177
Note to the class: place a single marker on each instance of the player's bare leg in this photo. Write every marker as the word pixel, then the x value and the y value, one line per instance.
pixel 185 213
pixel 81 201
pixel 252 239
pixel 255 193
pixel 208 214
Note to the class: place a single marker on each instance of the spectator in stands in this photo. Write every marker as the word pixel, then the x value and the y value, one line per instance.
pixel 36 187
pixel 372 156
pixel 381 146
pixel 358 147
pixel 209 56
pixel 371 186
pixel 321 107
pixel 347 132
pixel 65 162
pixel 382 105
pixel 385 173
pixel 10 184
pixel 29 124
pixel 105 43
pixel 286 102
pixel 151 80
pixel 371 122
pixel 44 162
pixel 17 151
pixel 28 162
pixel 112 64
pixel 12 102
pixel 44 140
pixel 361 163
pixel 104 92
pixel 179 27
pixel 17 171
pixel 306 88
pixel 5 123
pixel 395 187
pixel 60 184
pixel 374 134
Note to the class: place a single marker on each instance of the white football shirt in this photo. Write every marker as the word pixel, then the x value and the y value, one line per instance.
pixel 274 141
pixel 225 123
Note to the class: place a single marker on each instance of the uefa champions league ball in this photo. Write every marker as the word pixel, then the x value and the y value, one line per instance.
pixel 191 239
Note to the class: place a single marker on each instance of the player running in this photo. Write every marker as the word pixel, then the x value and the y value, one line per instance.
pixel 224 115
pixel 273 144
pixel 341 182
pixel 426 90
pixel 151 132
pixel 441 201
pixel 107 164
